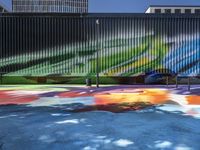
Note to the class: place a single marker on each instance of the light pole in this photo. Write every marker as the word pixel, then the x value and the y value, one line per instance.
pixel 97 54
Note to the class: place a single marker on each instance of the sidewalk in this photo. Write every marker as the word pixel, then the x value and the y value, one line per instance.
pixel 111 117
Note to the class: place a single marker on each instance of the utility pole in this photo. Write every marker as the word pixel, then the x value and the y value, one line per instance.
pixel 97 53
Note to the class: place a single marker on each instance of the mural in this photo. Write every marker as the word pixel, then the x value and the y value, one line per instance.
pixel 142 46
pixel 115 99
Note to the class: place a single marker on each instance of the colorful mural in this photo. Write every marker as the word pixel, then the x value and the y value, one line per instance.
pixel 127 46
pixel 110 98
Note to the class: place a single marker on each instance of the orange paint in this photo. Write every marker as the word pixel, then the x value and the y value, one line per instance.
pixel 193 100
pixel 153 96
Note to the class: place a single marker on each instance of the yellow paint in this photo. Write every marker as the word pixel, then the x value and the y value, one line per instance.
pixel 153 96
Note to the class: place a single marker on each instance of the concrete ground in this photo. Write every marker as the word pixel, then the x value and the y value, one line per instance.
pixel 58 117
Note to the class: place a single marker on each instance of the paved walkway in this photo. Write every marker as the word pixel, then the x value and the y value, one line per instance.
pixel 111 117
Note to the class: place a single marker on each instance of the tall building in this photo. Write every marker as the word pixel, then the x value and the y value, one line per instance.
pixel 173 9
pixel 61 6
pixel 3 7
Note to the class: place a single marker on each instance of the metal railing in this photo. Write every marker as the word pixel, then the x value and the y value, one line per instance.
pixel 1 77
pixel 181 76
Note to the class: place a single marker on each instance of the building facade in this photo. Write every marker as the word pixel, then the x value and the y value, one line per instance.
pixel 173 9
pixel 61 6
pixel 128 45
pixel 3 7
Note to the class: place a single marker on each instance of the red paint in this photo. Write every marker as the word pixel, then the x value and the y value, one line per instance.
pixel 6 98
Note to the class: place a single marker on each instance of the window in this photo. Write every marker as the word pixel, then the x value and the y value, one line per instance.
pixel 167 11
pixel 177 11
pixel 48 5
pixel 157 11
pixel 197 11
pixel 188 11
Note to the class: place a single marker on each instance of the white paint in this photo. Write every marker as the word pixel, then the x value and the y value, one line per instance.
pixel 163 144
pixel 180 99
pixel 53 101
pixel 182 147
pixel 2 117
pixel 27 93
pixel 72 121
pixel 107 141
pixel 88 125
pixel 89 148
pixel 123 142
pixel 46 139
pixel 81 93
pixel 57 115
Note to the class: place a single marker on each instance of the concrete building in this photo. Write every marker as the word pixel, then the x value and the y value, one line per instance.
pixel 173 9
pixel 61 6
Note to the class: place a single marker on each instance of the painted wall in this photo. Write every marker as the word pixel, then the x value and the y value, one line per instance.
pixel 128 45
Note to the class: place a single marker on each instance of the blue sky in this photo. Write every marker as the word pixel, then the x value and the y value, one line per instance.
pixel 6 3
pixel 133 5
pixel 126 5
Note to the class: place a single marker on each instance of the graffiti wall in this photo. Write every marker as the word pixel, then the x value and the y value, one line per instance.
pixel 129 45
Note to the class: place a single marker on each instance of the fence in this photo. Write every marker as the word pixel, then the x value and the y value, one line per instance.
pixel 127 45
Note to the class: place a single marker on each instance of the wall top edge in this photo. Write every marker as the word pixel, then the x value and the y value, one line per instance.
pixel 96 15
